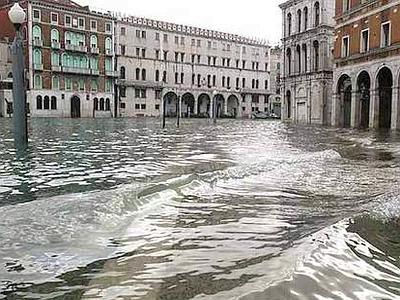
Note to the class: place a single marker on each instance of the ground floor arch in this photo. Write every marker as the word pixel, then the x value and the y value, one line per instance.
pixel 75 107
pixel 233 106
pixel 288 104
pixel 220 105
pixel 364 98
pixel 385 91
pixel 344 90
pixel 188 105
pixel 170 104
pixel 203 105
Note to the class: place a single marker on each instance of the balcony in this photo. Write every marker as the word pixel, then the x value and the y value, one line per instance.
pixel 38 67
pixel 76 48
pixel 94 50
pixel 56 68
pixel 95 72
pixel 55 45
pixel 37 43
pixel 111 73
pixel 73 70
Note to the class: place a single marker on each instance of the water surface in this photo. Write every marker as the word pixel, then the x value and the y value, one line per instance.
pixel 120 209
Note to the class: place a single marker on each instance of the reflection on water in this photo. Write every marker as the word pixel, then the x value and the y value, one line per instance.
pixel 120 209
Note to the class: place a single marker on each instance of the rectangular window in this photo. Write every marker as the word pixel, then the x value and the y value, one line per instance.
pixel 193 43
pixel 385 34
pixel 166 38
pixel 137 52
pixel 345 46
pixel 81 23
pixel 157 38
pixel 157 54
pixel 138 34
pixel 122 105
pixel 157 95
pixel 364 47
pixel 143 93
pixel 137 93
pixel 68 84
pixel 198 43
pixel 143 106
pixel 123 31
pixel 144 35
pixel 54 18
pixel 157 106
pixel 36 15
pixel 182 41
pixel 137 106
pixel 93 25
pixel 176 40
pixel 68 21
pixel 123 49
pixel 108 28
pixel 144 53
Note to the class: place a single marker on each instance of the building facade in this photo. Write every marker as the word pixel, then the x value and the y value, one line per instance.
pixel 70 58
pixel 189 68
pixel 367 59
pixel 308 27
pixel 5 79
pixel 276 81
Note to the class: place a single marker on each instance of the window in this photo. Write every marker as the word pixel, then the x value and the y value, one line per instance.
pixel 123 31
pixel 37 57
pixel 143 93
pixel 93 42
pixel 68 21
pixel 108 28
pixel 55 59
pixel 55 36
pixel 198 43
pixel 46 103
pixel 122 105
pixel 157 106
pixel 53 103
pixel 299 15
pixel 108 104
pixel 144 35
pixel 385 34
pixel 157 95
pixel 137 106
pixel 122 73
pixel 346 5
pixel 305 12
pixel 165 76
pixel 123 49
pixel 317 14
pixel 102 104
pixel 157 75
pixel 94 85
pixel 176 40
pixel 54 18
pixel 55 83
pixel 109 86
pixel 138 34
pixel 81 23
pixel 96 104
pixel 364 47
pixel 143 106
pixel 143 53
pixel 122 91
pixel 137 74
pixel 39 102
pixel 166 38
pixel 68 84
pixel 345 46
pixel 108 45
pixel 165 55
pixel 144 74
pixel 157 37
pixel 193 43
pixel 289 24
pixel 243 82
pixel 157 54
pixel 37 33
pixel 266 84
pixel 176 77
pixel 182 41
pixel 36 15
pixel 81 84
pixel 93 25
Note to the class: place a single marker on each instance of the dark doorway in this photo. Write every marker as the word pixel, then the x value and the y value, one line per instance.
pixel 289 104
pixel 364 85
pixel 344 92
pixel 75 107
pixel 385 84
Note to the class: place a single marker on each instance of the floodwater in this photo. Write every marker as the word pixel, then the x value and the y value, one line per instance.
pixel 120 209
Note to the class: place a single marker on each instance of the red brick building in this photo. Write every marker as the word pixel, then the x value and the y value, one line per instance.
pixel 367 64
pixel 70 58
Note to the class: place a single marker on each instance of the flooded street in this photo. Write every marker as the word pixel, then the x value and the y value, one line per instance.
pixel 120 209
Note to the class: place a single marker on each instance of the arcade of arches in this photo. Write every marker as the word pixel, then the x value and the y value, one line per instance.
pixel 367 100
pixel 201 106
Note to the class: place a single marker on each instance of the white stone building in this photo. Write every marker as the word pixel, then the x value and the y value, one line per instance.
pixel 5 79
pixel 308 27
pixel 188 65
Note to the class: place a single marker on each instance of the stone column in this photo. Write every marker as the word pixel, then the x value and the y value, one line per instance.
pixel 355 110
pixel 374 108
pixel 196 106
pixel 395 108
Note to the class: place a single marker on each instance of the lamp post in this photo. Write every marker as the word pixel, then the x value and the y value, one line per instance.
pixel 17 16
pixel 214 107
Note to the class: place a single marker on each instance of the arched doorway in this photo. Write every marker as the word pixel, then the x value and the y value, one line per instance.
pixel 75 107
pixel 188 103
pixel 344 90
pixel 385 84
pixel 288 104
pixel 363 87
pixel 233 106
pixel 170 105
pixel 220 105
pixel 203 106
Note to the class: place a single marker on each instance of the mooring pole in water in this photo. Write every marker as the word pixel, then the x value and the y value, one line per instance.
pixel 17 17
pixel 214 107
pixel 178 111
pixel 163 113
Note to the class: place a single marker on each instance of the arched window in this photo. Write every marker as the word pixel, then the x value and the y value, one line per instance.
pixel 144 74
pixel 289 24
pixel 122 73
pixel 266 84
pixel 54 103
pixel 108 104
pixel 96 104
pixel 37 57
pixel 46 103
pixel 10 75
pixel 257 84
pixel 305 13
pixel 137 74
pixel 299 20
pixel 102 104
pixel 253 83
pixel 182 78
pixel 108 45
pixel 94 63
pixel 157 75
pixel 39 102
pixel 55 58
pixel 83 63
pixel 223 81
pixel 37 33
pixel 55 36
pixel 55 83
pixel 298 59
pixel 93 41
pixel 304 49
pixel 38 82
pixel 289 61
pixel 317 14
pixel 66 60
pixel 316 55
pixel 165 76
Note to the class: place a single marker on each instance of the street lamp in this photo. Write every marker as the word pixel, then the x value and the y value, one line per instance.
pixel 17 16
pixel 214 108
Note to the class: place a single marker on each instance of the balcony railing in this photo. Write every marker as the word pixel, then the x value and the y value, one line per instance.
pixel 73 70
pixel 38 67
pixel 55 45
pixel 95 72
pixel 94 50
pixel 76 48
pixel 111 73
pixel 37 43
pixel 56 68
